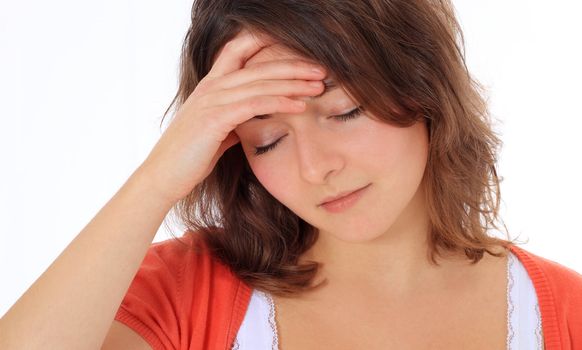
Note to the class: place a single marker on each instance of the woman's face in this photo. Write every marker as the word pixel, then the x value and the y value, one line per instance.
pixel 318 156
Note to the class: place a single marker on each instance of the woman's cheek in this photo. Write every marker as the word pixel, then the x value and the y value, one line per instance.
pixel 274 178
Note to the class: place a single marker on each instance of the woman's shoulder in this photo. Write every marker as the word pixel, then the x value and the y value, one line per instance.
pixel 194 265
pixel 187 255
pixel 180 284
pixel 550 268
pixel 548 275
pixel 559 293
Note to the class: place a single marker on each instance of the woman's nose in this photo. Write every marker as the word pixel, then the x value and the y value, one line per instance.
pixel 318 158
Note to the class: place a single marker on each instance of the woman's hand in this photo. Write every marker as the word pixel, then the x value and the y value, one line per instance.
pixel 202 129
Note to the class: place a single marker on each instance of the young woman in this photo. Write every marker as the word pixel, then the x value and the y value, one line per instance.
pixel 334 164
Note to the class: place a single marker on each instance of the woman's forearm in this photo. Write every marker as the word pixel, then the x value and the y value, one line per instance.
pixel 73 303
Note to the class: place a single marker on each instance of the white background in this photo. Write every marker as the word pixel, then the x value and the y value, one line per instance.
pixel 83 85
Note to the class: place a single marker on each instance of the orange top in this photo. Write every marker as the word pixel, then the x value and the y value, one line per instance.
pixel 182 300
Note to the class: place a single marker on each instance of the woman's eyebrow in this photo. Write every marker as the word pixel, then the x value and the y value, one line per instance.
pixel 328 85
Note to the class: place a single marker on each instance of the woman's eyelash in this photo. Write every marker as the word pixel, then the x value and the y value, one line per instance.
pixel 342 117
pixel 350 115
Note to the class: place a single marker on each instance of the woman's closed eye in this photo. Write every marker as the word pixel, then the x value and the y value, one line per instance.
pixel 342 117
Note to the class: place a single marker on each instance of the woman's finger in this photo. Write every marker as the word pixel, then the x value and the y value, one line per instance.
pixel 236 52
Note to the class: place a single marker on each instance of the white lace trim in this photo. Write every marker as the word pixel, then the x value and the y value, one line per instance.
pixel 521 299
pixel 272 322
pixel 510 306
pixel 265 299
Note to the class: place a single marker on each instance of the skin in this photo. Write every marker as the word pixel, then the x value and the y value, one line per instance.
pixel 374 254
pixel 380 242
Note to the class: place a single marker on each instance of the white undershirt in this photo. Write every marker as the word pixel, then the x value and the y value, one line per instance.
pixel 258 330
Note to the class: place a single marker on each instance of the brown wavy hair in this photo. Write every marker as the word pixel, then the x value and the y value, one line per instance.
pixel 402 60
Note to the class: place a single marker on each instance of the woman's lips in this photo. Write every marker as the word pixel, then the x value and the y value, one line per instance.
pixel 345 202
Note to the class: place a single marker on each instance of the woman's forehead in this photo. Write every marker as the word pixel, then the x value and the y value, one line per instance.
pixel 273 53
